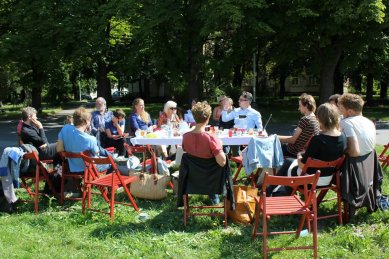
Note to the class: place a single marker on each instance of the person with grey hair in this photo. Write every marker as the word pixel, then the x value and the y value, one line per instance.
pixel 99 117
pixel 33 133
pixel 244 117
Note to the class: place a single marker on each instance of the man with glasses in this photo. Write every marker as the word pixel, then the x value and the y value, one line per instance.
pixel 99 117
pixel 244 117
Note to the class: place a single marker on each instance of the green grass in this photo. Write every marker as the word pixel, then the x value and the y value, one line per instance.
pixel 58 232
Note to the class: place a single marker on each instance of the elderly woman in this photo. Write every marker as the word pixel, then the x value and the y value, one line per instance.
pixel 329 145
pixel 115 132
pixel 139 119
pixel 307 127
pixel 201 144
pixel 169 114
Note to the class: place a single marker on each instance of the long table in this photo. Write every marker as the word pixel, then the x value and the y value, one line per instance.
pixel 226 141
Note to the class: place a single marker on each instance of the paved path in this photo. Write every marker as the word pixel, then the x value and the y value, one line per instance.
pixel 53 125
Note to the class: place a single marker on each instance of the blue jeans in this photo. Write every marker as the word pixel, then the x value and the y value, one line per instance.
pixel 214 198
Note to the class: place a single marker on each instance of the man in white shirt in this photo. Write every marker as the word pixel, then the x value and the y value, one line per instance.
pixel 244 117
pixel 359 130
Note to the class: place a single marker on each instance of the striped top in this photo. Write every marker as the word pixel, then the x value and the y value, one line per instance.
pixel 309 126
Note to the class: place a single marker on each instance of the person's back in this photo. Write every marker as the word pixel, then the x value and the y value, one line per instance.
pixel 74 139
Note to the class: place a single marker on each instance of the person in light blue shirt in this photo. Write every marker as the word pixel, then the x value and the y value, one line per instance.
pixel 188 116
pixel 73 138
pixel 244 117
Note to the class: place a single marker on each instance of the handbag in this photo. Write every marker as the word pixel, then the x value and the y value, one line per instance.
pixel 244 204
pixel 149 186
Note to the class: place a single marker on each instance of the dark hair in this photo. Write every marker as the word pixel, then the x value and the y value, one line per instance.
pixel 334 98
pixel 119 113
pixel 308 101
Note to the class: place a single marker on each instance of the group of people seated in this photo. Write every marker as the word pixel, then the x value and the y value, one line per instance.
pixel 335 129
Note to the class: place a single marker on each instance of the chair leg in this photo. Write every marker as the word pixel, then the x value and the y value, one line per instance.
pixel 256 222
pixel 339 204
pixel 225 212
pixel 237 173
pixel 315 235
pixel 112 204
pixel 62 190
pixel 264 222
pixel 129 195
pixel 84 194
pixel 36 198
pixel 185 208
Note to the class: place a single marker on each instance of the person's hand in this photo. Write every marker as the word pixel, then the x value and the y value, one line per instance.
pixel 43 147
pixel 115 121
pixel 37 123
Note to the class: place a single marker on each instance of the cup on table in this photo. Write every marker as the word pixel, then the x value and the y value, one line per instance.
pixel 230 131
pixel 207 128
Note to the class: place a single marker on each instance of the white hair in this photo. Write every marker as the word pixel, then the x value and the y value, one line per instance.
pixel 101 99
pixel 168 105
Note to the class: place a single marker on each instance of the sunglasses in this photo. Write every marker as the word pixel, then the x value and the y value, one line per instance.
pixel 173 108
pixel 243 100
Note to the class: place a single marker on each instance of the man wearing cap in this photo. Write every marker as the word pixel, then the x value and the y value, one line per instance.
pixel 244 117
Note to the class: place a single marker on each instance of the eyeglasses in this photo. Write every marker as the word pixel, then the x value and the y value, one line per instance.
pixel 243 100
pixel 173 108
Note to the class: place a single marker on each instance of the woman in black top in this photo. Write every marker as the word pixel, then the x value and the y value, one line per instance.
pixel 329 145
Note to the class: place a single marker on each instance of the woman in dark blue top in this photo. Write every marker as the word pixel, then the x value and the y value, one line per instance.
pixel 139 119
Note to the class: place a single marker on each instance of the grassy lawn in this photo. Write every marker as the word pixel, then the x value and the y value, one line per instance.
pixel 58 232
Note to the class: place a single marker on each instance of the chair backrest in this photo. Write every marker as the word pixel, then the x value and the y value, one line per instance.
pixel 319 164
pixel 327 168
pixel 382 155
pixel 308 182
pixel 202 176
pixel 91 171
pixel 66 155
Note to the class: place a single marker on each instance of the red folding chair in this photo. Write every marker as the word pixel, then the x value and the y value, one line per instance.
pixel 41 173
pixel 384 158
pixel 334 184
pixel 105 182
pixel 287 206
pixel 67 175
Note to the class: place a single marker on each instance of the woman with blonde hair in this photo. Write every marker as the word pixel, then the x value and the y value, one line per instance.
pixel 139 119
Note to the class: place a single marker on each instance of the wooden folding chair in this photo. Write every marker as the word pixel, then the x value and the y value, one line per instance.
pixel 384 158
pixel 112 181
pixel 67 175
pixel 334 185
pixel 286 206
pixel 40 174
pixel 253 176
pixel 208 173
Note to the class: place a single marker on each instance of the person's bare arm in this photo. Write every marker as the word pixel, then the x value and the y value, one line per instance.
pixel 119 128
pixel 352 147
pixel 291 139
pixel 221 159
pixel 59 147
pixel 109 134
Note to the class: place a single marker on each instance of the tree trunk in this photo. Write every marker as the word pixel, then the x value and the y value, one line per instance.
pixel 282 80
pixel 103 84
pixel 369 89
pixel 238 76
pixel 356 81
pixel 329 60
pixel 339 80
pixel 384 89
pixel 37 82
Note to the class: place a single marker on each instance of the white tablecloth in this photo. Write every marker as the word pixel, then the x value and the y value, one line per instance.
pixel 227 141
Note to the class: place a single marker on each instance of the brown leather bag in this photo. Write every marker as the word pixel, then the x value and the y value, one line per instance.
pixel 244 204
